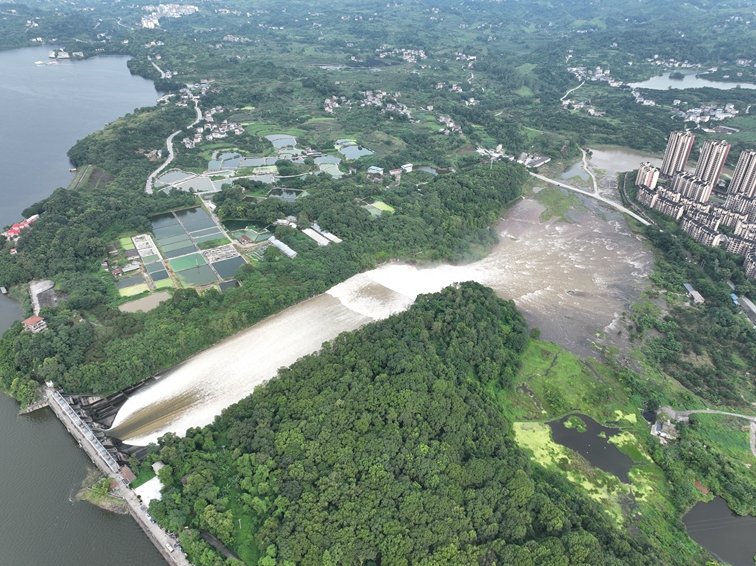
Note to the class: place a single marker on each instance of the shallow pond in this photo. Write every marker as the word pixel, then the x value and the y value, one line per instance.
pixel 281 140
pixel 129 281
pixel 598 451
pixel 327 159
pixel 146 303
pixel 431 170
pixel 174 176
pixel 689 80
pixel 287 195
pixel 355 152
pixel 575 170
pixel 728 537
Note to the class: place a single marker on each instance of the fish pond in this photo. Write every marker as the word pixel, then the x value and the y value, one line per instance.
pixel 591 440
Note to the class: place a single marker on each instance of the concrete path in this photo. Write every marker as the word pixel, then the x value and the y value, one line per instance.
pixel 169 144
pixel 684 416
pixel 615 205
pixel 566 94
pixel 588 170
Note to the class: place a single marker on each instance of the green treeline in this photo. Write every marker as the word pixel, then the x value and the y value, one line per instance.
pixel 385 449
pixel 448 219
pixel 710 349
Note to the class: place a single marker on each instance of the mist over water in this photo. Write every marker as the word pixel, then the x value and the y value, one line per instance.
pixel 569 279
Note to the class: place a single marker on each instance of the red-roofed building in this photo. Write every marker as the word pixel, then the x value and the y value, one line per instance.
pixel 35 324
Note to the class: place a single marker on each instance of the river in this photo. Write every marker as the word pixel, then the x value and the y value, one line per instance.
pixel 571 279
pixel 46 108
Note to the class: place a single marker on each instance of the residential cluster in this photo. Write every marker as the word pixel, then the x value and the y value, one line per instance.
pixel 152 20
pixel 408 55
pixel 597 74
pixel 14 232
pixel 685 196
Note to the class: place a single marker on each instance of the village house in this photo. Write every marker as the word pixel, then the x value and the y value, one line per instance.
pixel 35 324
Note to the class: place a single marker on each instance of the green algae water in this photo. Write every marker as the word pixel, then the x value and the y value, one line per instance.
pixel 45 109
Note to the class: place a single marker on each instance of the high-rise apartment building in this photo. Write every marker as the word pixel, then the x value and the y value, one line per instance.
pixel 677 152
pixel 648 175
pixel 744 179
pixel 711 161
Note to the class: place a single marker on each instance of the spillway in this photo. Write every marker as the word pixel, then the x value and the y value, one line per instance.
pixel 570 279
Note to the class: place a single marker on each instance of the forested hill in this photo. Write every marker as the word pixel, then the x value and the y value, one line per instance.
pixel 384 448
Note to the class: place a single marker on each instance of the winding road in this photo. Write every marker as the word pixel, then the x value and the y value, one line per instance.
pixel 613 204
pixel 566 94
pixel 169 144
pixel 589 170
pixel 684 416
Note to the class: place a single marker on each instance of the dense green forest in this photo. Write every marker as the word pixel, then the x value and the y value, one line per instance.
pixel 384 448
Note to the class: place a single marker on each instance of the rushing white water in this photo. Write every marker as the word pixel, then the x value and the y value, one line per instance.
pixel 569 279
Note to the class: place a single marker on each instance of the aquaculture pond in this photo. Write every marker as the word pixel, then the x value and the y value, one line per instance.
pixel 731 539
pixel 228 267
pixel 596 449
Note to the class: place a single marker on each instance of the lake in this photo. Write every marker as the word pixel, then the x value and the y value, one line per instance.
pixel 46 108
pixel 689 80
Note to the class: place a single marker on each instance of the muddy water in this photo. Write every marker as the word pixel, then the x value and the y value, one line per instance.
pixel 569 279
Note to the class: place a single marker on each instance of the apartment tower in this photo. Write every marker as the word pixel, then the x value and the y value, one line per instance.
pixel 677 152
pixel 648 175
pixel 744 179
pixel 711 161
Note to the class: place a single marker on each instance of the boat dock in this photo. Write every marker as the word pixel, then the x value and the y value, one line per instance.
pixel 90 441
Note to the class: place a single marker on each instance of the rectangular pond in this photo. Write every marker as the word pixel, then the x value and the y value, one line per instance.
pixel 187 262
pixel 163 220
pixel 201 275
pixel 168 231
pixel 228 267
pixel 180 252
pixel 130 281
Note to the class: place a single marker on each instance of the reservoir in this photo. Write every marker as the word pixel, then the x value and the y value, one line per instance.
pixel 46 108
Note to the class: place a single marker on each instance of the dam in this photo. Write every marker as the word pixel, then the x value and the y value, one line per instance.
pixel 570 279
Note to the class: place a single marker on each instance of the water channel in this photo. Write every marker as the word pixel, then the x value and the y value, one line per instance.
pixel 46 108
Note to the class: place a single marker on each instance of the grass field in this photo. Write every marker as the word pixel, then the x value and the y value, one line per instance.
pixel 126 243
pixel 380 205
pixel 133 291
pixel 186 262
pixel 557 203
pixel 729 435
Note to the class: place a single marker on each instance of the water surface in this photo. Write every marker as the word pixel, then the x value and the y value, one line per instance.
pixel 689 80
pixel 46 109
pixel 728 537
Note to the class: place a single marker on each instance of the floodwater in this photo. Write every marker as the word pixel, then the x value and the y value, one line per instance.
pixel 46 108
pixel 601 453
pixel 575 170
pixel 569 279
pixel 614 159
pixel 689 80
pixel 147 303
pixel 731 539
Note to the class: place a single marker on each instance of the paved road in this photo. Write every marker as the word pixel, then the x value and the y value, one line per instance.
pixel 589 171
pixel 615 205
pixel 169 144
pixel 566 94
pixel 684 416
